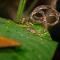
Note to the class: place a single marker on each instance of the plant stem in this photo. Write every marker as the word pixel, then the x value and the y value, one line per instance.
pixel 20 10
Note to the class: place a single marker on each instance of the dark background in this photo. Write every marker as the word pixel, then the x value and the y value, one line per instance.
pixel 41 2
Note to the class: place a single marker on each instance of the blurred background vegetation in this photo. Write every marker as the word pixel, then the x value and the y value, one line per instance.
pixel 36 41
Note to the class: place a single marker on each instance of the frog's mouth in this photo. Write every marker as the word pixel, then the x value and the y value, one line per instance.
pixel 45 14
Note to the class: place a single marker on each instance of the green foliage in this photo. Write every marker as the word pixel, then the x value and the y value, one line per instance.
pixel 33 47
pixel 20 9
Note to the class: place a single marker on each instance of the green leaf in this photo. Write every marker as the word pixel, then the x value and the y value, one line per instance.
pixel 33 47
